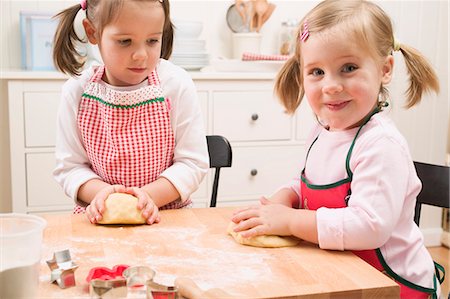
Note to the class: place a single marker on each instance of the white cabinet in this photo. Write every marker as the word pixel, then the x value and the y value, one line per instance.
pixel 266 150
pixel 267 143
pixel 32 120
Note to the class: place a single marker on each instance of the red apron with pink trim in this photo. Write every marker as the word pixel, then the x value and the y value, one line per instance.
pixel 127 135
pixel 337 195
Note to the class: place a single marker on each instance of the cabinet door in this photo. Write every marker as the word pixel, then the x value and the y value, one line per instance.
pixel 42 189
pixel 250 116
pixel 259 171
pixel 40 111
pixel 203 100
pixel 32 122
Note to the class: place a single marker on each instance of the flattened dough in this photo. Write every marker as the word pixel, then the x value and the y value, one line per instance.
pixel 121 208
pixel 262 241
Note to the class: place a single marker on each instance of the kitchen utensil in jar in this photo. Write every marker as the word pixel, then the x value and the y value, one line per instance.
pixel 261 12
pixel 235 21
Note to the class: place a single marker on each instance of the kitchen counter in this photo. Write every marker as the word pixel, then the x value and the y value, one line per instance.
pixel 193 243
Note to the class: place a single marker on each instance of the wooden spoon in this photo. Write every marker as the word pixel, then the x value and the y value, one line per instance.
pixel 241 9
pixel 268 13
pixel 260 7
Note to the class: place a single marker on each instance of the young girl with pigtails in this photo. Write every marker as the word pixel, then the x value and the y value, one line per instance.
pixel 358 185
pixel 132 125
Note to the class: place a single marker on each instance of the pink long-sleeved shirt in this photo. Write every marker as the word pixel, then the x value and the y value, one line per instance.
pixel 384 189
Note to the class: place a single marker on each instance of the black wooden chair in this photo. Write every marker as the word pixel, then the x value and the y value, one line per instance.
pixel 435 187
pixel 220 155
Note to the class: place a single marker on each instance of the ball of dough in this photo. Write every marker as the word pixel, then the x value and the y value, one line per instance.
pixel 268 241
pixel 121 208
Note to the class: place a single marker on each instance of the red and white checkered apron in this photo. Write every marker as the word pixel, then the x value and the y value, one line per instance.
pixel 127 134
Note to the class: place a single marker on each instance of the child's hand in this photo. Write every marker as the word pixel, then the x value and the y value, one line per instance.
pixel 96 208
pixel 146 204
pixel 265 219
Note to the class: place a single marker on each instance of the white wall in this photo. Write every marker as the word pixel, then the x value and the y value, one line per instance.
pixel 421 24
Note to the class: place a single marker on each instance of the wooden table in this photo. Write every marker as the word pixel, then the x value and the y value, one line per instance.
pixel 194 243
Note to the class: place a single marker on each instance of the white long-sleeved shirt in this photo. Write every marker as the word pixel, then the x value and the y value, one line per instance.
pixel 381 207
pixel 191 160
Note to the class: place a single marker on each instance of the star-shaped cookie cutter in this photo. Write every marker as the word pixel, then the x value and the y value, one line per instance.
pixel 63 269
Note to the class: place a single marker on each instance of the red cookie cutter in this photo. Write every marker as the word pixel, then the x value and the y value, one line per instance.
pixel 104 273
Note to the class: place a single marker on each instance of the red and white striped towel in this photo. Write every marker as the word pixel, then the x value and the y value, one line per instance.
pixel 248 56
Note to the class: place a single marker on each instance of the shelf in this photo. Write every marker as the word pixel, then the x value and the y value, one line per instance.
pixel 18 74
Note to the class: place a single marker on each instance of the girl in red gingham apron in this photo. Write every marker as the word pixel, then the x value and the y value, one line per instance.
pixel 116 129
pixel 127 134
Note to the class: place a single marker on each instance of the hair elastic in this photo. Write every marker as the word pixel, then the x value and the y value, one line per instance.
pixel 83 4
pixel 397 45
pixel 305 33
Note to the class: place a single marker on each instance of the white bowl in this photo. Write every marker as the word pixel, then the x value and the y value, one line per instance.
pixel 187 29
pixel 189 45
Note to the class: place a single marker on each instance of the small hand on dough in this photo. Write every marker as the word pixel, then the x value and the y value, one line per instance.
pixel 269 241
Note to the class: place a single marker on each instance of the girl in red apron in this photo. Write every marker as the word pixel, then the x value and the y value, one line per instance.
pixel 337 195
pixel 124 149
pixel 133 124
pixel 358 187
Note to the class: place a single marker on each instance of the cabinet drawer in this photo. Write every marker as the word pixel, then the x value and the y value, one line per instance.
pixel 250 116
pixel 259 171
pixel 42 189
pixel 40 110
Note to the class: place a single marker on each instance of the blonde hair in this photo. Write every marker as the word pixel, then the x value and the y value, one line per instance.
pixel 66 56
pixel 372 28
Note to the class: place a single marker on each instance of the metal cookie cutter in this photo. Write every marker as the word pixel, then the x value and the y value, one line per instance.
pixel 160 291
pixel 107 283
pixel 63 269
pixel 114 288
pixel 140 284
pixel 137 278
pixel 127 282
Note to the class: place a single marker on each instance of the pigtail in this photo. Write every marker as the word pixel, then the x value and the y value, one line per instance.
pixel 65 55
pixel 422 77
pixel 289 86
pixel 167 39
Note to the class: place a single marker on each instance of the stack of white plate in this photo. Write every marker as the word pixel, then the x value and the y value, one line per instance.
pixel 189 51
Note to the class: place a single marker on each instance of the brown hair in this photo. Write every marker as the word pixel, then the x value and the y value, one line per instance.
pixel 372 27
pixel 100 12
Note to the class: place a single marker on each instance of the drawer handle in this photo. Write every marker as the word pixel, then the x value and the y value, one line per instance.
pixel 255 116
pixel 253 172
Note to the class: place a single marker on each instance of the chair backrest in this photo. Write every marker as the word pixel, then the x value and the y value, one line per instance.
pixel 220 155
pixel 435 187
